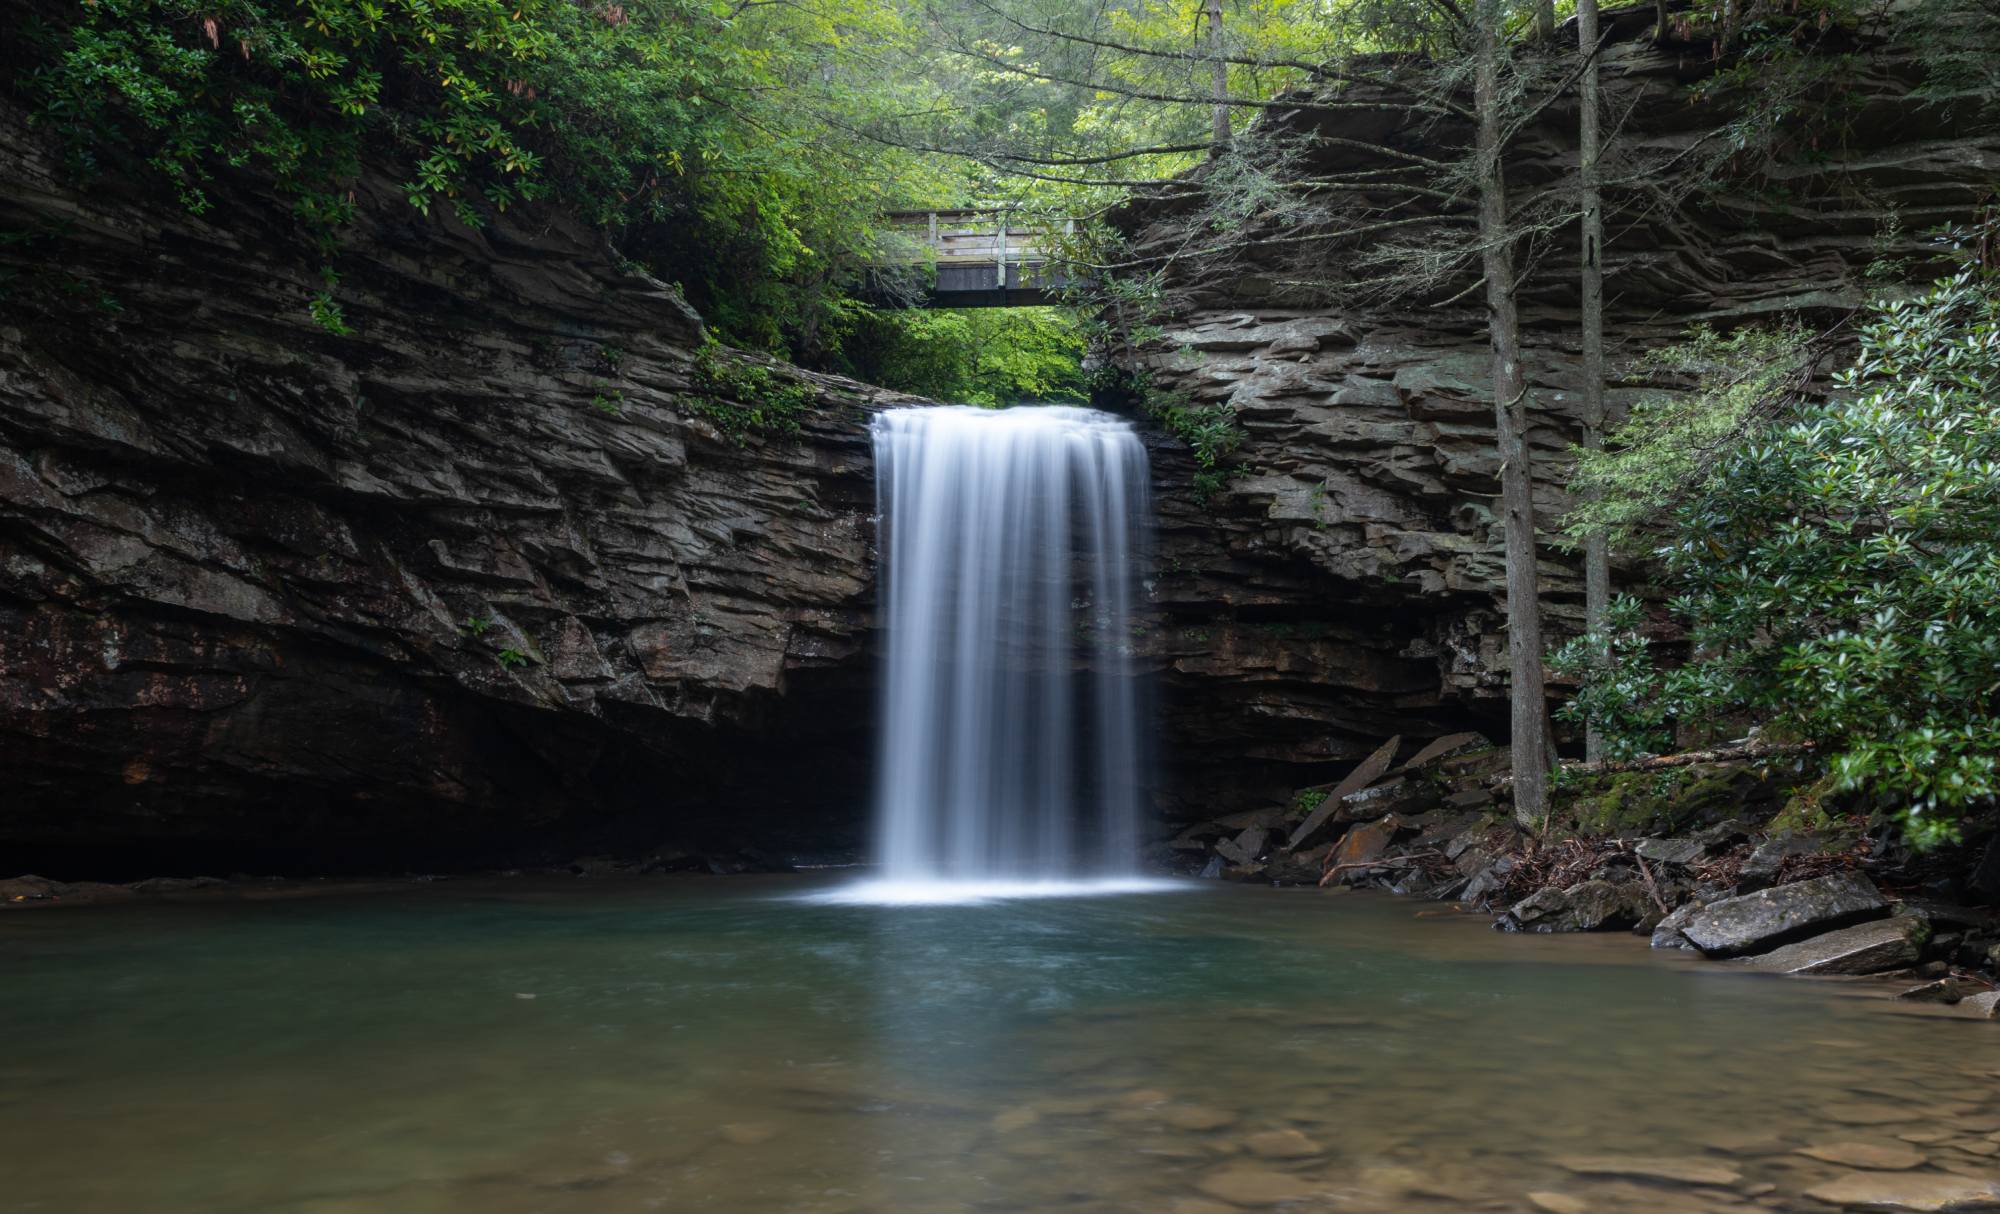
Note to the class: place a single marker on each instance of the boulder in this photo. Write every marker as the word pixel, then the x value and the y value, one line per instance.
pixel 1983 1007
pixel 1754 923
pixel 1865 948
pixel 1667 934
pixel 1588 906
pixel 1943 990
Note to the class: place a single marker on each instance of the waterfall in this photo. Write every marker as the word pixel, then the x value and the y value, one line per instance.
pixel 1011 722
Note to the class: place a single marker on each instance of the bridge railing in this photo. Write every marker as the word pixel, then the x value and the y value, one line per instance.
pixel 982 256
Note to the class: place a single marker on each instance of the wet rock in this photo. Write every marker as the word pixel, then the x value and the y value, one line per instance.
pixel 1488 881
pixel 1668 1170
pixel 1668 932
pixel 1943 990
pixel 1014 1119
pixel 1872 1156
pixel 1864 1113
pixel 1197 1117
pixel 1984 1007
pixel 1865 948
pixel 1588 906
pixel 748 1133
pixel 1763 920
pixel 1251 1187
pixel 1908 1191
pixel 1558 1203
pixel 1282 1144
pixel 1748 1142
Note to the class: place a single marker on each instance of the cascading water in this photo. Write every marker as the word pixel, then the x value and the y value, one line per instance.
pixel 1011 719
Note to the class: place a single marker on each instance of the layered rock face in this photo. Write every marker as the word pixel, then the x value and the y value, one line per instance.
pixel 475 575
pixel 1358 592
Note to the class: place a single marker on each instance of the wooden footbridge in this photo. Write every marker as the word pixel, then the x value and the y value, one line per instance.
pixel 982 258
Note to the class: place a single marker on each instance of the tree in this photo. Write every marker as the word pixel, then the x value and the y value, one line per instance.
pixel 1527 694
pixel 1590 211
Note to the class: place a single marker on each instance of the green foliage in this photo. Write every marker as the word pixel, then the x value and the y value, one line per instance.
pixel 1672 441
pixel 992 356
pixel 1307 800
pixel 740 397
pixel 1619 689
pixel 1210 431
pixel 511 658
pixel 1841 576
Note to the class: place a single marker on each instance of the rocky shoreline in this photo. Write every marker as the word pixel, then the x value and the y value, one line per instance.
pixel 1723 853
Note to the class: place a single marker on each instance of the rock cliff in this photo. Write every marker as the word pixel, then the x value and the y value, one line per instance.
pixel 1357 592
pixel 473 576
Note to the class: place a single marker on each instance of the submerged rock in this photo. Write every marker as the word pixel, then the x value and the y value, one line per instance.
pixel 1588 906
pixel 1282 1144
pixel 1944 990
pixel 1251 1187
pixel 1908 1191
pixel 1880 1157
pixel 1754 923
pixel 1669 1170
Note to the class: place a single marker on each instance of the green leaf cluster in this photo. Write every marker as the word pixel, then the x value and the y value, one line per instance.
pixel 1841 575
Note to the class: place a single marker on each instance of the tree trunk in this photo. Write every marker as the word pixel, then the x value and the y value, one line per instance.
pixel 1545 20
pixel 1596 557
pixel 1510 419
pixel 1219 75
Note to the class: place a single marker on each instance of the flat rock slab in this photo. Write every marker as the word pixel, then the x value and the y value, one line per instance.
pixel 1865 948
pixel 1982 1007
pixel 1251 1187
pixel 1282 1144
pixel 1558 1203
pixel 1908 1191
pixel 1856 1112
pixel 1196 1117
pixel 1872 1156
pixel 1755 923
pixel 1672 1171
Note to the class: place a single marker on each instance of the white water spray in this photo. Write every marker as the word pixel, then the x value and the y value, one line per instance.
pixel 1010 542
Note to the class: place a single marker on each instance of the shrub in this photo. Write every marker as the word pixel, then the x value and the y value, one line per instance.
pixel 1840 573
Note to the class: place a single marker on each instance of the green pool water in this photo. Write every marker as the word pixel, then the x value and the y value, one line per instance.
pixel 722 1045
